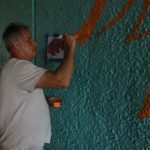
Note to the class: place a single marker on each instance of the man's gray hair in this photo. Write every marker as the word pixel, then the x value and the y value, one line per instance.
pixel 12 32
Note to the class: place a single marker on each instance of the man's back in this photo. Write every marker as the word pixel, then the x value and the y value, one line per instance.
pixel 24 113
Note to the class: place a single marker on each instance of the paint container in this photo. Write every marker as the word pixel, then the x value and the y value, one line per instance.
pixel 54 102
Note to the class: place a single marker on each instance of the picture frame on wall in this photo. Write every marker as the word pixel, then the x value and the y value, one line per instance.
pixel 55 48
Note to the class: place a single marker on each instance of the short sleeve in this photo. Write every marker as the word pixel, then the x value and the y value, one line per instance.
pixel 27 75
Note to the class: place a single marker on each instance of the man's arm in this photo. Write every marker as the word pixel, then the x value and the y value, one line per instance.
pixel 62 76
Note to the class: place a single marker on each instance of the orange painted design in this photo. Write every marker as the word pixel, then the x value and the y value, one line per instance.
pixel 133 35
pixel 118 16
pixel 87 28
pixel 145 109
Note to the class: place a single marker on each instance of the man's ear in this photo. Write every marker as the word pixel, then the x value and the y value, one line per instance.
pixel 16 45
pixel 16 49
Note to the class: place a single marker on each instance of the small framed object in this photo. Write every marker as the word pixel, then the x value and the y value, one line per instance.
pixel 54 102
pixel 55 48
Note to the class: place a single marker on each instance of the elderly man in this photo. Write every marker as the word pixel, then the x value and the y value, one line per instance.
pixel 24 113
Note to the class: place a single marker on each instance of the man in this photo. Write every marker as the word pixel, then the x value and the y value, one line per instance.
pixel 24 113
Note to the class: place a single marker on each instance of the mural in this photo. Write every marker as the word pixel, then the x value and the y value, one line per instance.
pixel 109 84
pixel 87 28
pixel 145 109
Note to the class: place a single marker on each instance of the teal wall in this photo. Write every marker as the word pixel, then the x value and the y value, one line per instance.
pixel 99 110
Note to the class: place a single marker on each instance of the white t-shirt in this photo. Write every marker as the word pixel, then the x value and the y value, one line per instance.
pixel 24 112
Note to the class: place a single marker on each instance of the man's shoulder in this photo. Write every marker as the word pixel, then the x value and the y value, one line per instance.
pixel 19 61
pixel 15 65
pixel 13 62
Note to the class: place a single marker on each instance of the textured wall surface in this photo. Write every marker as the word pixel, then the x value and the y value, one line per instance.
pixel 110 79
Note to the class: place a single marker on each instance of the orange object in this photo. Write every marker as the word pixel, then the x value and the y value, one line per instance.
pixel 55 102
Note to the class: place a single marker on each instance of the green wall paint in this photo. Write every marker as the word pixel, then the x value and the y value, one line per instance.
pixel 110 79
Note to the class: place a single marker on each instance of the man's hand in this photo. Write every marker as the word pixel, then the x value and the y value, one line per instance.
pixel 61 77
pixel 70 41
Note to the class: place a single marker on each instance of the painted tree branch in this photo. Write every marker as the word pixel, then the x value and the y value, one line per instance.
pixel 87 28
pixel 117 17
pixel 133 35
pixel 145 109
